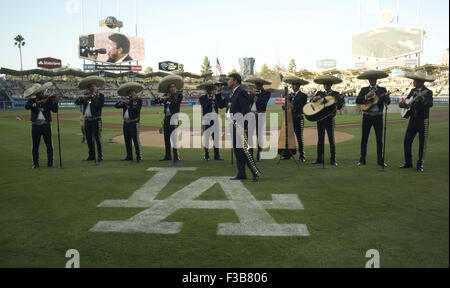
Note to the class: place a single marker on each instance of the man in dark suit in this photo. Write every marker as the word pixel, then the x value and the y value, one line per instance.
pixel 420 101
pixel 239 105
pixel 374 116
pixel 41 107
pixel 328 123
pixel 211 103
pixel 119 49
pixel 92 104
pixel 258 102
pixel 131 118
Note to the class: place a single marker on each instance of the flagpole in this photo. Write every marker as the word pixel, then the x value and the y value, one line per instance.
pixel 217 59
pixel 82 16
pixel 99 8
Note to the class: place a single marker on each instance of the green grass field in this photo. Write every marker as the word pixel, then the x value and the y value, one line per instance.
pixel 347 210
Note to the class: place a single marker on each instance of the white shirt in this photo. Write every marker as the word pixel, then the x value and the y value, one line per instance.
pixel 254 109
pixel 41 116
pixel 127 115
pixel 87 112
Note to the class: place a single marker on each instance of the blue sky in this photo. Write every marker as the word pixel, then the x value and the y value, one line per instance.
pixel 187 31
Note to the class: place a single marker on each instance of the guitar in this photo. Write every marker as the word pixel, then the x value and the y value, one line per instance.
pixel 410 104
pixel 372 99
pixel 319 110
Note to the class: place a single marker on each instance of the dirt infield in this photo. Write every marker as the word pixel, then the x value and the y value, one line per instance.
pixel 155 139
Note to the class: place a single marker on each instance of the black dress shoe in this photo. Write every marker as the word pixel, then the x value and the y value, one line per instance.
pixel 36 166
pixel 258 157
pixel 138 161
pixel 406 166
pixel 420 169
pixel 302 159
pixel 218 159
pixel 90 159
pixel 238 178
pixel 206 158
pixel 255 178
pixel 176 162
pixel 334 163
pixel 362 163
pixel 165 159
pixel 382 164
pixel 317 162
pixel 50 165
pixel 126 159
pixel 99 160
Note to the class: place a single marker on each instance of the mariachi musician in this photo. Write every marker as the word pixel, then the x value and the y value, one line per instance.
pixel 298 100
pixel 259 101
pixel 418 104
pixel 131 118
pixel 211 103
pixel 373 116
pixel 327 124
pixel 92 104
pixel 171 86
pixel 41 106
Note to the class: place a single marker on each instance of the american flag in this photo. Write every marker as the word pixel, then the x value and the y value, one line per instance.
pixel 219 68
pixel 281 69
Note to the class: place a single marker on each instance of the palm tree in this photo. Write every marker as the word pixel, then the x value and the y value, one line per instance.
pixel 20 41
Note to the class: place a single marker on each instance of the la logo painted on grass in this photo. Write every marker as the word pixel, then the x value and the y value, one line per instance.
pixel 252 214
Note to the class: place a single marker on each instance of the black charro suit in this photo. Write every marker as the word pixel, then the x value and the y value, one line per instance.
pixel 258 103
pixel 210 105
pixel 373 117
pixel 93 123
pixel 171 107
pixel 299 101
pixel 418 124
pixel 328 125
pixel 41 127
pixel 131 127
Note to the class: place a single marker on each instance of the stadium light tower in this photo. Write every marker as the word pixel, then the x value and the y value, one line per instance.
pixel 360 15
pixel 118 10
pixel 82 15
pixel 100 13
pixel 418 13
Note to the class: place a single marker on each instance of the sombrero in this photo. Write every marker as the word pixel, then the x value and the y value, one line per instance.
pixel 206 84
pixel 250 85
pixel 327 79
pixel 420 75
pixel 372 74
pixel 168 80
pixel 125 89
pixel 295 80
pixel 84 84
pixel 31 91
pixel 37 88
pixel 219 82
pixel 257 79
